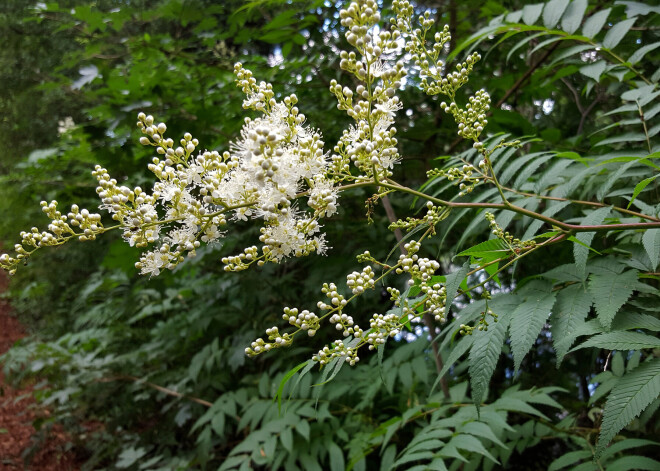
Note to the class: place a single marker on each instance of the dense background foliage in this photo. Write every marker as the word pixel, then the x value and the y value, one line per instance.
pixel 151 373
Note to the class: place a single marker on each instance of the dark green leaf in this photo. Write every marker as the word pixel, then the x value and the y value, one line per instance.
pixel 631 395
pixel 573 16
pixel 526 324
pixel 484 355
pixel 621 340
pixel 617 33
pixel 610 292
pixel 571 309
pixel 581 252
pixel 553 11
pixel 651 241
pixel 595 23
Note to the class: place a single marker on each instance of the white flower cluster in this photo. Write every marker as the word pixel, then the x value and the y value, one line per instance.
pixel 259 178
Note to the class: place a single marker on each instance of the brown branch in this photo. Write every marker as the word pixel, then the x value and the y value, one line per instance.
pixel 169 392
pixel 527 74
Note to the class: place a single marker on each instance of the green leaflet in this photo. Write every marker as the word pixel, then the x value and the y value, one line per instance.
pixel 459 350
pixel 526 323
pixel 483 357
pixel 569 458
pixel 572 307
pixel 651 241
pixel 610 292
pixel 621 340
pixel 573 16
pixel 531 13
pixel 490 249
pixel 639 54
pixel 631 395
pixel 553 11
pixel 625 445
pixel 453 281
pixel 637 463
pixel 470 443
pixel 337 462
pixel 634 320
pixel 579 251
pixel 307 365
pixel 640 187
pixel 595 23
pixel 595 70
pixel 617 33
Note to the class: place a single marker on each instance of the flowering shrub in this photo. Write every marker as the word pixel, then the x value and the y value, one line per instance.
pixel 279 172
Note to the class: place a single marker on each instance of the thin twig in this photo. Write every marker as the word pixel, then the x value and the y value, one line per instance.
pixel 169 392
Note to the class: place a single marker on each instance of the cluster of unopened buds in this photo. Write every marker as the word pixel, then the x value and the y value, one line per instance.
pixel 436 296
pixel 78 223
pixel 466 177
pixel 382 326
pixel 514 244
pixel 419 268
pixel 434 215
pixel 339 350
pixel 305 320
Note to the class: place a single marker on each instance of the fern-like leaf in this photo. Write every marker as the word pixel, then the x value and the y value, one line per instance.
pixel 526 323
pixel 483 357
pixel 572 307
pixel 651 240
pixel 621 340
pixel 610 292
pixel 631 395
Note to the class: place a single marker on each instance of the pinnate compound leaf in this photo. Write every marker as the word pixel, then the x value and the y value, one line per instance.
pixel 553 11
pixel 570 311
pixel 610 292
pixel 569 458
pixel 581 252
pixel 573 16
pixel 617 33
pixel 651 241
pixel 631 395
pixel 526 324
pixel 595 23
pixel 484 354
pixel 621 340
